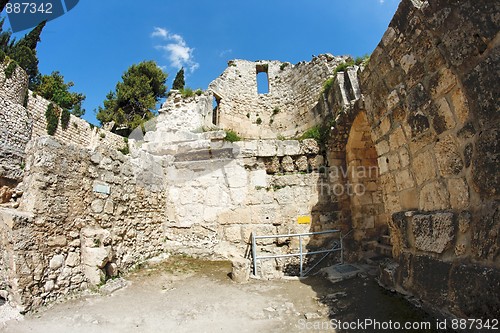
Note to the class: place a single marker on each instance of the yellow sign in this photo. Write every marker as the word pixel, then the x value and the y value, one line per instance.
pixel 305 219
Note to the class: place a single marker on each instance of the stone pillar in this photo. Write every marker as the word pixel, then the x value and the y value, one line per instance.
pixel 240 270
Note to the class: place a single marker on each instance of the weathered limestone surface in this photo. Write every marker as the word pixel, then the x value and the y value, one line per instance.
pixel 84 216
pixel 15 124
pixel 413 150
pixel 22 118
pixel 431 102
pixel 286 110
pixel 191 114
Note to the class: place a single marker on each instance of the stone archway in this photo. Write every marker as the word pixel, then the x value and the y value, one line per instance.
pixel 369 220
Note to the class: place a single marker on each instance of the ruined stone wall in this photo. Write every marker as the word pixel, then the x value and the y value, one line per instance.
pixel 286 110
pixel 189 114
pixel 79 131
pixel 214 205
pixel 22 118
pixel 432 103
pixel 15 124
pixel 84 216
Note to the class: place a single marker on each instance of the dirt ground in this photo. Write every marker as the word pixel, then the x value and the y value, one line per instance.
pixel 189 295
pixel 182 295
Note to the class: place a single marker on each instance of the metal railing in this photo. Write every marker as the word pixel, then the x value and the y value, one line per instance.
pixel 337 246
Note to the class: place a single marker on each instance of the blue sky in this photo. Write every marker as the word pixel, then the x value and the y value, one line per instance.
pixel 93 44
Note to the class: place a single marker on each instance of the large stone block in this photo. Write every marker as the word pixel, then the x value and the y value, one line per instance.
pixel 448 157
pixel 309 146
pixel 459 193
pixel 233 233
pixel 267 148
pixel 430 279
pixel 240 272
pixel 258 178
pixel 424 167
pixel 434 196
pixel 433 232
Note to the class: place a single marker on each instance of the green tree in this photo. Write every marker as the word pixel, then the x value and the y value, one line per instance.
pixel 135 97
pixel 33 37
pixel 24 51
pixel 4 37
pixel 179 82
pixel 53 88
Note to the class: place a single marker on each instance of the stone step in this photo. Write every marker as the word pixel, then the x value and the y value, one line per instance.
pixel 205 154
pixel 384 250
pixel 385 240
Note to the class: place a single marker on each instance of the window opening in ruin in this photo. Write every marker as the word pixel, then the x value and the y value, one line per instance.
pixel 215 113
pixel 262 79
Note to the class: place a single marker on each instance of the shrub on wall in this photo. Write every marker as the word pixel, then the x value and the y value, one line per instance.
pixel 52 117
pixel 187 92
pixel 9 71
pixel 26 98
pixel 328 85
pixel 126 149
pixel 65 117
pixel 232 136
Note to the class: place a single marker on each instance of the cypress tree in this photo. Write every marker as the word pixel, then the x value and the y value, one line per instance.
pixel 179 80
pixel 33 37
pixel 24 53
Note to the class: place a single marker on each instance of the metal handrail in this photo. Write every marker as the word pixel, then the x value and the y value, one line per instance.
pixel 301 254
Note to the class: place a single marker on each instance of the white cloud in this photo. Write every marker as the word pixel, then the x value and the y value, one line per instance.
pixel 176 49
pixel 159 32
pixel 381 1
pixel 225 53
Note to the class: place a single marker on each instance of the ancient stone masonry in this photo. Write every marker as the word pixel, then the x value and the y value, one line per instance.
pixel 431 101
pixel 409 165
pixel 78 132
pixel 218 192
pixel 285 111
pixel 15 125
pixel 22 118
pixel 85 216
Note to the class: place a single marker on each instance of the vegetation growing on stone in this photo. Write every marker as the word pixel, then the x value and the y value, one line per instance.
pixel 232 136
pixel 53 88
pixel 343 66
pixel 52 117
pixel 320 133
pixel 11 68
pixel 328 85
pixel 65 117
pixel 26 98
pixel 135 97
pixel 351 62
pixel 284 65
pixel 258 121
pixel 179 81
pixel 126 148
pixel 187 92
